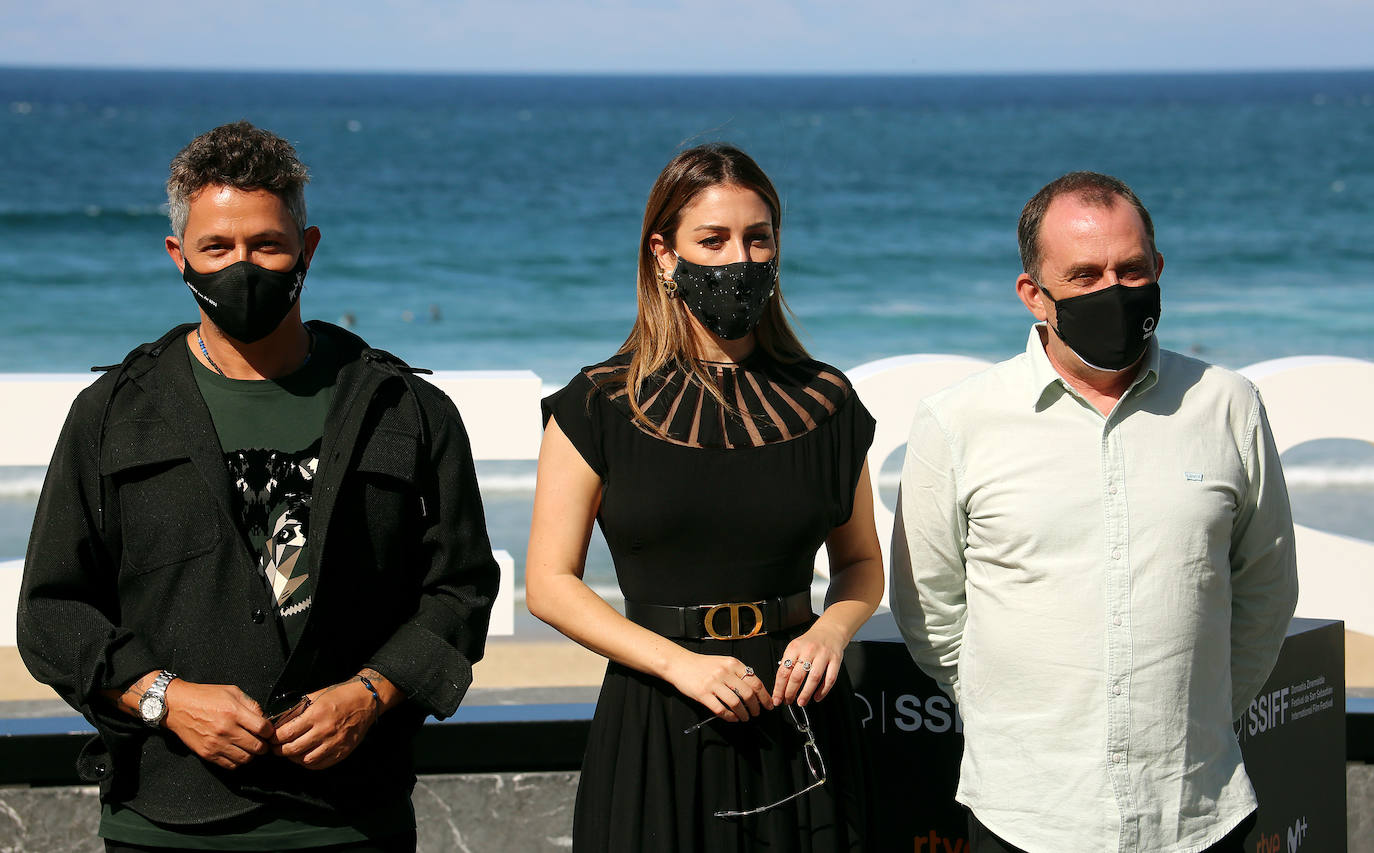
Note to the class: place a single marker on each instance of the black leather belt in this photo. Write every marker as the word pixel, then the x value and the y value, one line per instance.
pixel 735 620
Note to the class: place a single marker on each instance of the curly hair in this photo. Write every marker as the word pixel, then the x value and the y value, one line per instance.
pixel 241 156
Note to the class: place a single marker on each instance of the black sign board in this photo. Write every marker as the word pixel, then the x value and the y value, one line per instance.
pixel 1292 737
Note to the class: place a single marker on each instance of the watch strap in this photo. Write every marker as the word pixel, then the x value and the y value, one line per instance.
pixel 158 690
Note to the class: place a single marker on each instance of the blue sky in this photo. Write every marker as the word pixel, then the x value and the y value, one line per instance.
pixel 690 35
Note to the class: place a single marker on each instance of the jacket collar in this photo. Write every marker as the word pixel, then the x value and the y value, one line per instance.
pixel 162 370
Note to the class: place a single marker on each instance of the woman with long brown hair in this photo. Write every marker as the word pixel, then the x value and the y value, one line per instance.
pixel 717 458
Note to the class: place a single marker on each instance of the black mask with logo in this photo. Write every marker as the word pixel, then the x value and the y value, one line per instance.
pixel 1108 329
pixel 246 301
pixel 729 299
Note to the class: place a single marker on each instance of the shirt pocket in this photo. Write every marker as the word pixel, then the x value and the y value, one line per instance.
pixel 166 513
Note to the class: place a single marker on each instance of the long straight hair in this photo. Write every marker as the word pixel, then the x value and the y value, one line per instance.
pixel 662 332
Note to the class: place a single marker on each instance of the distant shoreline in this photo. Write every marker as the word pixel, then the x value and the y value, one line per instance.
pixel 608 74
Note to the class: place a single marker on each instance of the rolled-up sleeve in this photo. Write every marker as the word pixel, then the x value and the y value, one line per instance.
pixel 430 656
pixel 927 588
pixel 68 629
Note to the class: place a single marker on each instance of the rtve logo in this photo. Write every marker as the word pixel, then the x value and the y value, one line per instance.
pixel 936 843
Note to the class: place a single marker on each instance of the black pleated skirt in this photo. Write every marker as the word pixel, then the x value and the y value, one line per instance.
pixel 647 786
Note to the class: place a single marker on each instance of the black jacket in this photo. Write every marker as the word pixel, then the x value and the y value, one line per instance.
pixel 137 563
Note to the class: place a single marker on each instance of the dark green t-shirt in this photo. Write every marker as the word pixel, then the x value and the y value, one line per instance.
pixel 273 828
pixel 270 431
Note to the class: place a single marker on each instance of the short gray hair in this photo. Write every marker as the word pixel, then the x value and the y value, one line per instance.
pixel 241 156
pixel 1094 188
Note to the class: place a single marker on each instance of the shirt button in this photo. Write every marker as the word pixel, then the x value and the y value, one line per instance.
pixel 258 616
pixel 1117 758
pixel 1116 689
pixel 1116 620
pixel 1112 489
pixel 1116 555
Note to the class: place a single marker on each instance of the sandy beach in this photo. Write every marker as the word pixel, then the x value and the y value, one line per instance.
pixel 549 661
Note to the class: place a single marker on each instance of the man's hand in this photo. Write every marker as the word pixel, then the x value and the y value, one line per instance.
pixel 329 728
pixel 218 722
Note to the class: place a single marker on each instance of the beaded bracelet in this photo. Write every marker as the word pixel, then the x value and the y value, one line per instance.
pixel 376 698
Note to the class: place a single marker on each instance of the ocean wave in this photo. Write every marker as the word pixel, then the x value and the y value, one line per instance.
pixel 506 483
pixel 25 485
pixel 1300 476
pixel 1297 476
pixel 1325 476
pixel 48 218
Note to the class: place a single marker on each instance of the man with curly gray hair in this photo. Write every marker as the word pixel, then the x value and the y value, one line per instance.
pixel 259 560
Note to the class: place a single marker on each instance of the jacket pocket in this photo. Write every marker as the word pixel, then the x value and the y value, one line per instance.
pixel 166 513
pixel 385 502
pixel 390 454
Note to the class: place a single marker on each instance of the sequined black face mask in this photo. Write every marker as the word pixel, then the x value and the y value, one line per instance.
pixel 729 300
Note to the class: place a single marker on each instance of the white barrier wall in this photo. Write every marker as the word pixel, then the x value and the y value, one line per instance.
pixel 1308 398
pixel 500 410
pixel 890 389
pixel 1318 397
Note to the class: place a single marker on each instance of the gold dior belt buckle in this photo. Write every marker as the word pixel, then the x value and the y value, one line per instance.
pixel 734 608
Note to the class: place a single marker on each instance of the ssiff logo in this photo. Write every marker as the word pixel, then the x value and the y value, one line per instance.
pixel 906 714
pixel 1267 712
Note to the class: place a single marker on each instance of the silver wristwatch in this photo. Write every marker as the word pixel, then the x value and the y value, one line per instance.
pixel 152 707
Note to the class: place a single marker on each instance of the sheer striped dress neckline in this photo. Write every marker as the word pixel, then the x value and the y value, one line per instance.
pixel 769 402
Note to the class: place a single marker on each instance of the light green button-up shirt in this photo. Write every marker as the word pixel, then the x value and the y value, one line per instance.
pixel 1102 596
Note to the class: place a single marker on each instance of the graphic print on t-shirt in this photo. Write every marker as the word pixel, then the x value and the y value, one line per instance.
pixel 281 553
pixel 274 493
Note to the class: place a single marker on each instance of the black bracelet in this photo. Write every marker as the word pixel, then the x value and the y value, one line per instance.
pixel 377 699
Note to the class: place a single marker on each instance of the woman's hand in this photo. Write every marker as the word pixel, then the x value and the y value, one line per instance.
pixel 810 666
pixel 723 684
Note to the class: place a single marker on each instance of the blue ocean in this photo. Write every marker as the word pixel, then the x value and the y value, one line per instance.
pixel 492 221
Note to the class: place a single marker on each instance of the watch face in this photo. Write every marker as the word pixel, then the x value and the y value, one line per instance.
pixel 150 708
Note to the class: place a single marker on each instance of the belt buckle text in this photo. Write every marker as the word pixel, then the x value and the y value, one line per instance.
pixel 735 608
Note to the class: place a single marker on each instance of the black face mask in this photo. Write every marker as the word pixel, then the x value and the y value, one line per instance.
pixel 245 301
pixel 730 299
pixel 1108 329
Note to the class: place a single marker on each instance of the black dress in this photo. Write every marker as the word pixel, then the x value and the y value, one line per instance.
pixel 723 508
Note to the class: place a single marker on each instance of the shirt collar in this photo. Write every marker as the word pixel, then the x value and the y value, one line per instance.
pixel 1046 380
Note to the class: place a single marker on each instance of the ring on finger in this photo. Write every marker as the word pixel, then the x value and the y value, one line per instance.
pixel 748 671
pixel 736 692
pixel 787 663
pixel 806 665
